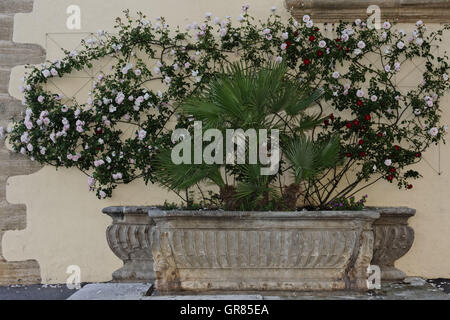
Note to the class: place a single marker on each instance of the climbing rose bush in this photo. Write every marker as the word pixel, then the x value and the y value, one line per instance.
pixel 130 113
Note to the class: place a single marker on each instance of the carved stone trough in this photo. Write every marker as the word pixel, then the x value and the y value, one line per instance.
pixel 287 244
pixel 259 251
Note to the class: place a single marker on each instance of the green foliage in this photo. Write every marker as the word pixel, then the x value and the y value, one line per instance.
pixel 285 67
pixel 246 97
pixel 350 203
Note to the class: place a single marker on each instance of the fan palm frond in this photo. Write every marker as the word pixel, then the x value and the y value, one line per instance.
pixel 183 176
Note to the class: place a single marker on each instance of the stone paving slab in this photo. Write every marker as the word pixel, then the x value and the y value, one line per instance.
pixel 416 289
pixel 35 292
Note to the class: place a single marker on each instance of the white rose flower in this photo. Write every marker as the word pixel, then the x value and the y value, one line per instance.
pixel 285 35
pixel 361 44
pixel 388 162
pixel 306 18
pixel 142 134
pixel 336 75
pixel 322 44
pixel 400 45
pixel 374 98
pixel 387 25
pixel 223 32
pixel 433 131
pixel 360 93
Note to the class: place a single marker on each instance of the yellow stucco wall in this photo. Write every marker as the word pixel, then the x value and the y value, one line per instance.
pixel 65 225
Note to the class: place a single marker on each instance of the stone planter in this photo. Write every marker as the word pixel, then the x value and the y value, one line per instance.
pixel 393 239
pixel 259 251
pixel 129 237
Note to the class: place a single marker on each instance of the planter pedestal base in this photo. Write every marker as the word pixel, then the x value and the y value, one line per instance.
pixel 135 271
pixel 392 274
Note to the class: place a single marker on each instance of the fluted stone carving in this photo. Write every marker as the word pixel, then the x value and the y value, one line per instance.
pixel 129 237
pixel 201 251
pixel 393 239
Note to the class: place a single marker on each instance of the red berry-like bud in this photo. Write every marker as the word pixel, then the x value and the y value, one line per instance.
pixel 331 117
pixel 362 154
pixel 356 122
pixel 288 43
pixel 361 142
pixel 99 131
pixel 359 103
pixel 418 154
pixel 349 155
pixel 396 147
pixel 380 134
pixel 348 125
pixel 393 170
pixel 390 177
pixel 306 62
pixel 319 53
pixel 326 122
pixel 312 38
pixel 295 33
pixel 367 117
pixel 410 186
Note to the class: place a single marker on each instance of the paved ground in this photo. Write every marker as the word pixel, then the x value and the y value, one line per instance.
pixel 415 288
pixel 35 292
pixel 440 283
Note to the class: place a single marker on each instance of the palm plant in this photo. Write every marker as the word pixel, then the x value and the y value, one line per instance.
pixel 243 97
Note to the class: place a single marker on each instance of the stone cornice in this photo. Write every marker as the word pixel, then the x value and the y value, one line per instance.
pixel 431 11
